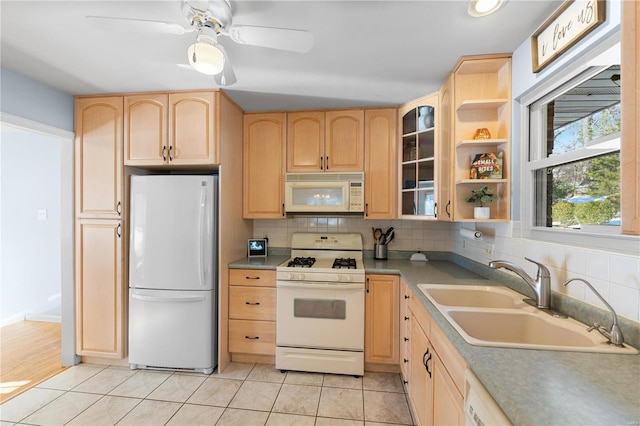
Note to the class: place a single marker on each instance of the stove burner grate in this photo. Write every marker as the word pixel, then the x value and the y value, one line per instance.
pixel 344 263
pixel 302 262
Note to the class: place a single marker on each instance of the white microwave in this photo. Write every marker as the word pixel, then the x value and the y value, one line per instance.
pixel 324 192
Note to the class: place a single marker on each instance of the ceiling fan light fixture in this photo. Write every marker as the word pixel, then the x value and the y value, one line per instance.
pixel 479 8
pixel 206 58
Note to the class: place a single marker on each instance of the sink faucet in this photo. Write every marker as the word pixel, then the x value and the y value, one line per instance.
pixel 541 285
pixel 615 334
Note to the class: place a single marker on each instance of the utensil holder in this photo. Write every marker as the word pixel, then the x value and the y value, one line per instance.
pixel 380 251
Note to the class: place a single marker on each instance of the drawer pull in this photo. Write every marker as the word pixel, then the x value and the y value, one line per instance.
pixel 406 318
pixel 405 360
pixel 251 278
pixel 406 339
pixel 252 338
pixel 251 303
pixel 406 296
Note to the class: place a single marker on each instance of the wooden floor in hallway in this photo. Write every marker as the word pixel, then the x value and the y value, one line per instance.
pixel 30 353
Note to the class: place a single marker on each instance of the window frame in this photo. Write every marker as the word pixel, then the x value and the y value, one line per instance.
pixel 573 72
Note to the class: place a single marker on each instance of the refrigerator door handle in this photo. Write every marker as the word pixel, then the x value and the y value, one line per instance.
pixel 185 299
pixel 202 233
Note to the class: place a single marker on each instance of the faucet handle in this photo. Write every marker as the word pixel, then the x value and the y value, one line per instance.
pixel 542 269
pixel 593 327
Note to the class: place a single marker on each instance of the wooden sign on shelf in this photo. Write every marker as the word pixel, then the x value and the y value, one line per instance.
pixel 568 25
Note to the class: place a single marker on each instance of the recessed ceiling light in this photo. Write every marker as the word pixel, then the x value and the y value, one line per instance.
pixel 478 8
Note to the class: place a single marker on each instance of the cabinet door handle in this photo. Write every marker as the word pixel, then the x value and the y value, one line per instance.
pixel 405 360
pixel 170 157
pixel 366 210
pixel 321 163
pixel 119 208
pixel 405 382
pixel 119 230
pixel 283 212
pixel 327 163
pixel 447 208
pixel 406 318
pixel 164 150
pixel 406 296
pixel 252 303
pixel 251 278
pixel 426 361
pixel 367 285
pixel 406 339
pixel 435 210
pixel 252 338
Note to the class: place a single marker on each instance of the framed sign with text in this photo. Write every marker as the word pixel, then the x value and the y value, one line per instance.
pixel 570 23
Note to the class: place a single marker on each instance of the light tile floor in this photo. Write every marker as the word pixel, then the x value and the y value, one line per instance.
pixel 244 394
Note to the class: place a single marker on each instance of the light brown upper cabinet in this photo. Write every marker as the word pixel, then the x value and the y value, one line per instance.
pixel 177 129
pixel 380 163
pixel 418 152
pixel 145 123
pixel 482 100
pixel 331 141
pixel 98 162
pixel 263 162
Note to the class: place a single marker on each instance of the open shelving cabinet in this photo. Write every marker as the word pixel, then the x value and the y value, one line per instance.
pixel 482 99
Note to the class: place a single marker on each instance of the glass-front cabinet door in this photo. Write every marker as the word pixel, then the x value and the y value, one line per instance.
pixel 418 159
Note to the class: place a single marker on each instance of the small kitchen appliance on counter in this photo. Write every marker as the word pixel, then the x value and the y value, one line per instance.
pixel 320 299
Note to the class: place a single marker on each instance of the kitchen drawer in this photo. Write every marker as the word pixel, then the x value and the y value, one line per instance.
pixel 252 277
pixel 252 303
pixel 252 337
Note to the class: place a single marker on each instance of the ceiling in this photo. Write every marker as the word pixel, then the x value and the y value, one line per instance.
pixel 366 53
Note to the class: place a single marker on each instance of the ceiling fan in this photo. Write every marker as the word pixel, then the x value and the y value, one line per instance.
pixel 210 19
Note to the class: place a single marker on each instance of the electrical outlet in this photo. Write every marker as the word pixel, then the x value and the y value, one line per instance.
pixel 488 251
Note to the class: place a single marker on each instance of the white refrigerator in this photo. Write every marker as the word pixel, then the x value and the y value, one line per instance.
pixel 173 272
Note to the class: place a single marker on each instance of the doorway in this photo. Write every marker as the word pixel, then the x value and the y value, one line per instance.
pixel 36 205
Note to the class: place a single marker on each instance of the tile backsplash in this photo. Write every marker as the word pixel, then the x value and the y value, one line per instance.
pixel 615 276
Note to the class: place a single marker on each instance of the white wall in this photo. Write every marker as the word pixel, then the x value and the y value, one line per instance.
pixel 31 257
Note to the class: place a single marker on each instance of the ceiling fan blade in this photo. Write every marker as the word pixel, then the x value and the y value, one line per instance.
pixel 227 77
pixel 137 25
pixel 275 38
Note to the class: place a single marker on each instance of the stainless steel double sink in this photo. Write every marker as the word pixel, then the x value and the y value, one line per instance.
pixel 497 316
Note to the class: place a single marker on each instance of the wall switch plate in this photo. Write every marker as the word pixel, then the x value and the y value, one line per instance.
pixel 42 214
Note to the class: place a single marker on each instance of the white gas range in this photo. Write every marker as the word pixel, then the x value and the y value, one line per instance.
pixel 320 299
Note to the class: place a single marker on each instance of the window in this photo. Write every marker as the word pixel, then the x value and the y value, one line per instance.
pixel 574 156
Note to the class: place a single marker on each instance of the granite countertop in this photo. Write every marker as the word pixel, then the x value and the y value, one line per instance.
pixel 533 387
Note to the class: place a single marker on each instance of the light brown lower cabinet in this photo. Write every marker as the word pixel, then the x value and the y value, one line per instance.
pixel 252 312
pixel 100 288
pixel 381 340
pixel 435 374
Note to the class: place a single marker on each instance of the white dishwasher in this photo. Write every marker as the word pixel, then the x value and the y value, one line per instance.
pixel 479 407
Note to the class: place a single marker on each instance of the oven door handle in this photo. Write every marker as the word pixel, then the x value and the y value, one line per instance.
pixel 319 286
